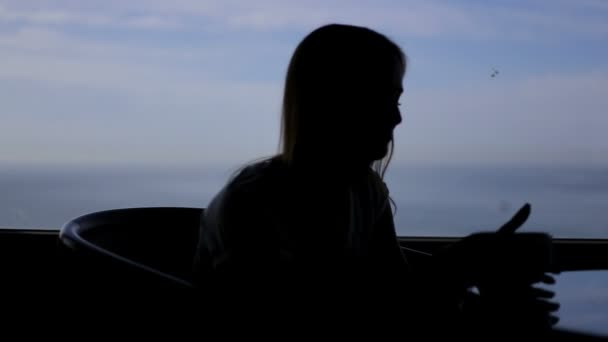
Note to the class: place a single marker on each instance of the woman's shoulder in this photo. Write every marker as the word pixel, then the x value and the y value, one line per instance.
pixel 256 176
pixel 249 186
pixel 244 195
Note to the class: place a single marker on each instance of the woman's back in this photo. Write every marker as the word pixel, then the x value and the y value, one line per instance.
pixel 272 215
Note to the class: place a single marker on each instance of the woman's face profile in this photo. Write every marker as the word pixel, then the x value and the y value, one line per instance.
pixel 372 113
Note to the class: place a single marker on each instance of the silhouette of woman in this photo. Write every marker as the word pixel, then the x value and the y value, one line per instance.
pixel 319 212
pixel 321 200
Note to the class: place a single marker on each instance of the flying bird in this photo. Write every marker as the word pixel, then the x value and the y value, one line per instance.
pixel 494 73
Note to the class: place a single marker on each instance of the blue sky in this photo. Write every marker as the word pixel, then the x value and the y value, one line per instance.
pixel 190 81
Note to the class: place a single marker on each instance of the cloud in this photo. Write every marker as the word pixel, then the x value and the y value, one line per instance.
pixel 153 22
pixel 52 56
pixel 62 18
pixel 51 17
pixel 407 19
pixel 63 96
pixel 404 18
pixel 551 23
pixel 235 80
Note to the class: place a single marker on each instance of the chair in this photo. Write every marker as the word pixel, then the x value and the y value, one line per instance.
pixel 153 245
pixel 140 247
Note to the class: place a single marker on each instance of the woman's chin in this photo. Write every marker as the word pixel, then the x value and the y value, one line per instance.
pixel 378 153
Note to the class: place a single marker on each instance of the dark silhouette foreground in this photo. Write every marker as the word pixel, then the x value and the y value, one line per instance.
pixel 312 227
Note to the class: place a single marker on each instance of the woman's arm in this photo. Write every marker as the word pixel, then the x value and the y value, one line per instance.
pixel 386 250
pixel 425 292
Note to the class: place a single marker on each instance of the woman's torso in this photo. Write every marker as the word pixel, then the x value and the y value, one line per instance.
pixel 306 219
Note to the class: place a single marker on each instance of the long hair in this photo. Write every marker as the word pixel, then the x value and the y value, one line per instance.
pixel 328 55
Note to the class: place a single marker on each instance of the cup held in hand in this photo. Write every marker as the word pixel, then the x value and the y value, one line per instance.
pixel 511 258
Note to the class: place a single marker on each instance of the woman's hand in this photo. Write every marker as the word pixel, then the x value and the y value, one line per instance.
pixel 503 266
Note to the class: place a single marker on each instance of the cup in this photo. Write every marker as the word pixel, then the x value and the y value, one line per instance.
pixel 517 258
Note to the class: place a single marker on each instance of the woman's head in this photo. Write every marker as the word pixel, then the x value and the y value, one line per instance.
pixel 341 97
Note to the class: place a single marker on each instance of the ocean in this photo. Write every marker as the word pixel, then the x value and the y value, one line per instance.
pixel 430 201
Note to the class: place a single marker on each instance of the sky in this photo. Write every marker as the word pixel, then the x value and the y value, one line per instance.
pixel 194 81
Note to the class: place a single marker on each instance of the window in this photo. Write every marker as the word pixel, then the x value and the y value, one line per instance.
pixel 109 104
